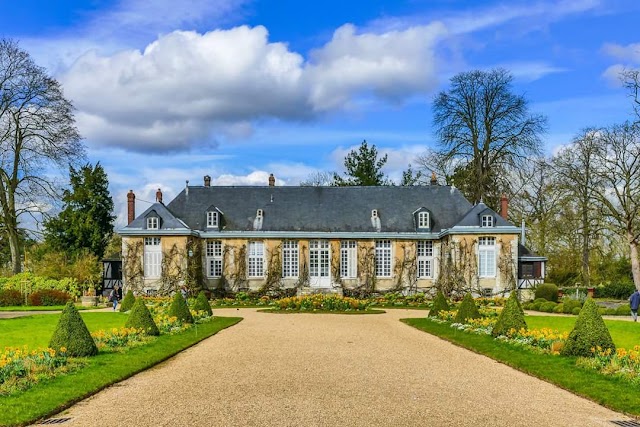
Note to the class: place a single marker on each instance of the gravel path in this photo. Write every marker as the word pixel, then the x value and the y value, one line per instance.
pixel 333 370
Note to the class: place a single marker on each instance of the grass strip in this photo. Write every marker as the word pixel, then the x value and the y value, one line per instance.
pixel 612 392
pixel 44 308
pixel 54 395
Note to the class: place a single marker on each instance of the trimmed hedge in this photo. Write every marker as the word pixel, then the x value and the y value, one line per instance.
pixel 180 309
pixel 10 297
pixel 72 333
pixel 589 332
pixel 548 307
pixel 202 303
pixel 127 301
pixel 548 291
pixel 569 306
pixel 467 310
pixel 48 297
pixel 140 318
pixel 439 304
pixel 511 317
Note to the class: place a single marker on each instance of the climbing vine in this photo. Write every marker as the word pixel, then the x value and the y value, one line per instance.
pixel 458 268
pixel 173 270
pixel 133 270
pixel 507 267
pixel 406 269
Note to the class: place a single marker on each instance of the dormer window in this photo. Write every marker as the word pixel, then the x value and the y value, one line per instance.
pixel 374 213
pixel 259 213
pixel 487 220
pixel 423 219
pixel 152 223
pixel 212 219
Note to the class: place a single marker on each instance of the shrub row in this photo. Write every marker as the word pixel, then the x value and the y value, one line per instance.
pixel 29 282
pixel 619 290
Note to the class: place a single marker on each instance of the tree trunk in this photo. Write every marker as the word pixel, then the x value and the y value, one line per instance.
pixel 16 265
pixel 635 263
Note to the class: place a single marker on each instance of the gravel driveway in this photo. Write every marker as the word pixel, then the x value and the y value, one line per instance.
pixel 333 370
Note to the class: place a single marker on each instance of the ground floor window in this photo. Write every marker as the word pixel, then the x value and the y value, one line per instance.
pixel 214 258
pixel 487 256
pixel 383 258
pixel 256 259
pixel 290 257
pixel 152 261
pixel 425 260
pixel 348 259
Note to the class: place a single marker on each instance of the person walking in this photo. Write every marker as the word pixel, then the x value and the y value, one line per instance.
pixel 634 302
pixel 113 297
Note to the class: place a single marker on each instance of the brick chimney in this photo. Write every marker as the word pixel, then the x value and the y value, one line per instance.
pixel 434 180
pixel 504 206
pixel 159 196
pixel 207 181
pixel 131 207
pixel 272 180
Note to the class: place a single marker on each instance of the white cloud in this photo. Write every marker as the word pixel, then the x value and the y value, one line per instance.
pixel 629 55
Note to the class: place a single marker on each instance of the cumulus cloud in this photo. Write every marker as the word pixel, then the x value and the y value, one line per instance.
pixel 629 56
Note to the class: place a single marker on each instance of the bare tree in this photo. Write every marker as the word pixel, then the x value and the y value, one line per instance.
pixel 484 129
pixel 318 179
pixel 620 173
pixel 37 134
pixel 577 166
pixel 631 81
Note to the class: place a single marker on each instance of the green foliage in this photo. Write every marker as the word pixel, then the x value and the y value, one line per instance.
pixel 180 309
pixel 72 333
pixel 127 301
pixel 559 308
pixel 363 168
pixel 48 297
pixel 439 304
pixel 618 290
pixel 623 310
pixel 548 307
pixel 10 297
pixel 410 177
pixel 548 291
pixel 589 332
pixel 570 304
pixel 202 303
pixel 86 221
pixel 140 318
pixel 467 310
pixel 511 317
pixel 28 282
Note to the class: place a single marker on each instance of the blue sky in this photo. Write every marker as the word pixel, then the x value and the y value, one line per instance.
pixel 169 91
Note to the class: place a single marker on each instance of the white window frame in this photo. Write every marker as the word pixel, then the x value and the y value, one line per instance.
pixel 425 259
pixel 423 219
pixel 214 258
pixel 212 219
pixel 290 258
pixel 152 261
pixel 153 223
pixel 487 220
pixel 255 254
pixel 384 258
pixel 348 259
pixel 487 257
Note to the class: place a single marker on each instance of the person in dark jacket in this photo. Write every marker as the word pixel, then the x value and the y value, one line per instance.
pixel 634 302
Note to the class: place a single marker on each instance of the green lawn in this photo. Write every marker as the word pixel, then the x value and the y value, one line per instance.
pixel 562 371
pixel 625 334
pixel 42 308
pixel 35 331
pixel 52 396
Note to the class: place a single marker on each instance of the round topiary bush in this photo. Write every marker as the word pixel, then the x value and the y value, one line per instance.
pixel 548 307
pixel 589 332
pixel 540 301
pixel 548 291
pixel 576 311
pixel 535 306
pixel 569 305
pixel 558 308
pixel 467 310
pixel 140 318
pixel 72 333
pixel 439 304
pixel 180 309
pixel 202 304
pixel 623 310
pixel 511 317
pixel 127 301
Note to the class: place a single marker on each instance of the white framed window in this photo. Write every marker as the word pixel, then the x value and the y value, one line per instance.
pixel 348 259
pixel 152 223
pixel 259 213
pixel 290 256
pixel 423 219
pixel 212 219
pixel 383 258
pixel 256 259
pixel 214 258
pixel 487 221
pixel 487 256
pixel 425 259
pixel 152 261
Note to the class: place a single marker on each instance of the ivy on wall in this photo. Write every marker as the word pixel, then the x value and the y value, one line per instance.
pixel 133 270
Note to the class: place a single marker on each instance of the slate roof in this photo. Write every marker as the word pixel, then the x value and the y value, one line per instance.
pixel 526 254
pixel 472 218
pixel 169 220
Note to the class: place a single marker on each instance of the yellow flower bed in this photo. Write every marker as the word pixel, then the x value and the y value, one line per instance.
pixel 20 368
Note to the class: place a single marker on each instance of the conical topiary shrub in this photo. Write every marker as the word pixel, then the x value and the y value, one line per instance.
pixel 589 332
pixel 72 333
pixel 202 304
pixel 510 317
pixel 140 318
pixel 467 310
pixel 180 309
pixel 439 304
pixel 127 301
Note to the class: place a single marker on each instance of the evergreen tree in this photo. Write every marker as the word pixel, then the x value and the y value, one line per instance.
pixel 467 310
pixel 127 301
pixel 202 303
pixel 439 304
pixel 86 221
pixel 511 317
pixel 589 332
pixel 72 333
pixel 363 168
pixel 180 309
pixel 140 318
